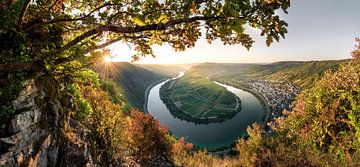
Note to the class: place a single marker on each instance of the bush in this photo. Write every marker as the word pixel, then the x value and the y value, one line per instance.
pixel 147 138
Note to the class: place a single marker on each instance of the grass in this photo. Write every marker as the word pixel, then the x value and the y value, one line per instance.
pixel 193 97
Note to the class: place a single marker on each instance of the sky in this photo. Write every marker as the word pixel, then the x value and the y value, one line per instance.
pixel 318 30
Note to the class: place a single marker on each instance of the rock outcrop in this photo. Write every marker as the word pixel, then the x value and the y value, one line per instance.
pixel 33 135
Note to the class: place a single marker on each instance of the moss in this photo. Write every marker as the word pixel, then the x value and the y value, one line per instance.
pixel 5 113
pixel 16 82
pixel 50 86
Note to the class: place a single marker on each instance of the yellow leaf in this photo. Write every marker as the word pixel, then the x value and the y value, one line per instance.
pixel 138 21
pixel 163 18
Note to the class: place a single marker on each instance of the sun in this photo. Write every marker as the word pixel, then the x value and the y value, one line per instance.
pixel 107 59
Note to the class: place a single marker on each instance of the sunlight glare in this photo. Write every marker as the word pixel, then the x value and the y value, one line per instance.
pixel 107 59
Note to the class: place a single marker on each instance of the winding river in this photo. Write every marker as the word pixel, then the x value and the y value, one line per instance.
pixel 213 135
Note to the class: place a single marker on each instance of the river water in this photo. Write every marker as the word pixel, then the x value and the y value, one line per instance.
pixel 213 135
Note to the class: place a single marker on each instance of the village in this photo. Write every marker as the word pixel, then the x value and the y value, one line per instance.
pixel 277 95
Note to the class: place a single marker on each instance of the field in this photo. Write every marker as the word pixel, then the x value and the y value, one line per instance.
pixel 193 97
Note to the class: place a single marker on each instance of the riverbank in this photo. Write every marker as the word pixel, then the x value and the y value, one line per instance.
pixel 147 91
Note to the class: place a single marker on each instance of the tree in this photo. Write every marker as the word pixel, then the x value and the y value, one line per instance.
pixel 356 53
pixel 39 35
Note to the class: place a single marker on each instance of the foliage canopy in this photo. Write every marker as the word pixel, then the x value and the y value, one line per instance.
pixel 46 33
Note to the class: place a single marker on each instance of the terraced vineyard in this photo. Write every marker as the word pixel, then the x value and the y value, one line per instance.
pixel 195 98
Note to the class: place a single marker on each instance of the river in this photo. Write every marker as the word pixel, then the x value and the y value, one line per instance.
pixel 213 135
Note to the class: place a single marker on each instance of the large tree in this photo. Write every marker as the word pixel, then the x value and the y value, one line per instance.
pixel 40 34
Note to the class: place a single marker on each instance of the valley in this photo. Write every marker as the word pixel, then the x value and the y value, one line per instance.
pixel 134 79
pixel 203 99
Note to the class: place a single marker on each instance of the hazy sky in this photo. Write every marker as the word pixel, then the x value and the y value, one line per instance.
pixel 318 30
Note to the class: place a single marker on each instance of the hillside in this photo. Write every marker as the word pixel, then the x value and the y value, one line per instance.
pixel 277 84
pixel 304 75
pixel 219 69
pixel 301 74
pixel 165 69
pixel 134 79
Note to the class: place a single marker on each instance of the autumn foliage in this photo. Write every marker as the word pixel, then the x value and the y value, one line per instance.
pixel 322 130
pixel 356 53
pixel 147 139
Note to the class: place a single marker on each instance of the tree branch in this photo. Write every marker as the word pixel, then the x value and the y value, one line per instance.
pixel 120 29
pixel 102 45
pixel 55 2
pixel 30 27
pixel 4 82
pixel 111 42
pixel 34 66
pixel 105 5
pixel 21 66
pixel 23 10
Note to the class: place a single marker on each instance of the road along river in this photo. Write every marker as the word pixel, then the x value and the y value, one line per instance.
pixel 212 135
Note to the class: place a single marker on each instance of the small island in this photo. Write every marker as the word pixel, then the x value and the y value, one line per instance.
pixel 195 98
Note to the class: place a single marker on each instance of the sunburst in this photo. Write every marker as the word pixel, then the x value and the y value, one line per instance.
pixel 105 67
pixel 107 59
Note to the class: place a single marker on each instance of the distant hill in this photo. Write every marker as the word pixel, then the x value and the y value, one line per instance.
pixel 165 69
pixel 306 74
pixel 219 69
pixel 134 79
pixel 303 74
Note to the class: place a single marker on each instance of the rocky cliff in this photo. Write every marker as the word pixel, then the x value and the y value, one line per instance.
pixel 35 136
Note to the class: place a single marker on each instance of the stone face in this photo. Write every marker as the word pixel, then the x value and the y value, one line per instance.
pixel 28 143
pixel 33 134
pixel 26 96
pixel 24 120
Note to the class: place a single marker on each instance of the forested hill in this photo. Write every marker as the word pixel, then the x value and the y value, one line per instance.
pixel 220 69
pixel 301 73
pixel 134 79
